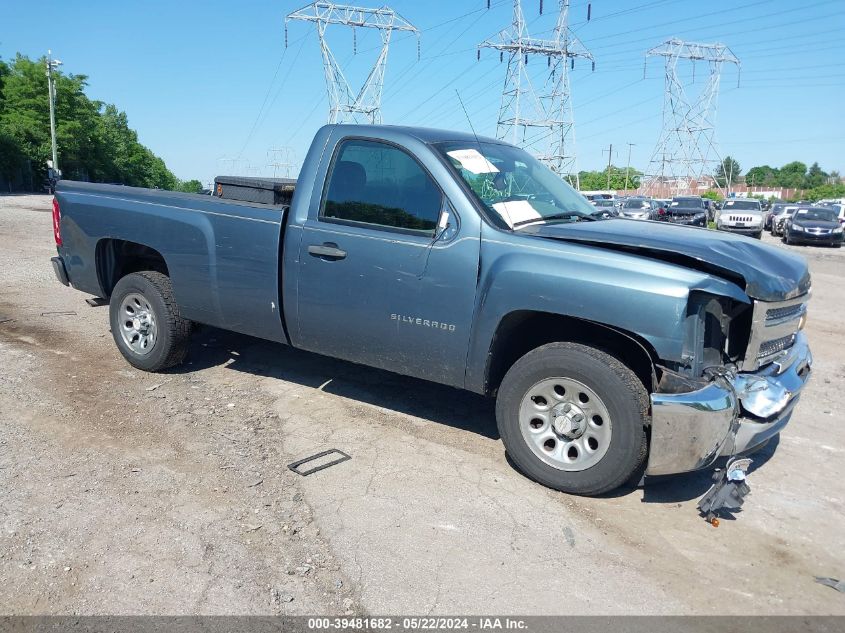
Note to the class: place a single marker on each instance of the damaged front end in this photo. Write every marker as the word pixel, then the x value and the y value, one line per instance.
pixel 738 405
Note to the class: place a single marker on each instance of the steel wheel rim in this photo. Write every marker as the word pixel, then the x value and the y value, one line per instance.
pixel 548 421
pixel 138 324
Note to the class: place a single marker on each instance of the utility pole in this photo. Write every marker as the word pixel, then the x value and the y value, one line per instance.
pixel 686 150
pixel 53 64
pixel 628 168
pixel 281 158
pixel 609 151
pixel 346 105
pixel 540 120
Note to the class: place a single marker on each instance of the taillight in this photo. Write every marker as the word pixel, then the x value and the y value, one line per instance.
pixel 57 220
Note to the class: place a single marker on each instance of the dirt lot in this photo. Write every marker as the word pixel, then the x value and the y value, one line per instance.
pixel 123 492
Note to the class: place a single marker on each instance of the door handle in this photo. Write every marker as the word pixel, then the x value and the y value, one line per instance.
pixel 328 251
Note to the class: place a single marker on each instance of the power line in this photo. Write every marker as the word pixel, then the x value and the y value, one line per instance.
pixel 269 90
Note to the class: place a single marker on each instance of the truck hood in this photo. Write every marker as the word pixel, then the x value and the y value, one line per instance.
pixel 765 272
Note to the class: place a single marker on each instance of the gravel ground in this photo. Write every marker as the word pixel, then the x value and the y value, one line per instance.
pixel 124 493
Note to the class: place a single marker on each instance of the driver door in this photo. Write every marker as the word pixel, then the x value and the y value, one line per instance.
pixel 385 277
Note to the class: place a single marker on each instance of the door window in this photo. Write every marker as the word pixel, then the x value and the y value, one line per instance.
pixel 381 186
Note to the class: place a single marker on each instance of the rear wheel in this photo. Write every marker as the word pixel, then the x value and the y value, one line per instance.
pixel 573 418
pixel 145 321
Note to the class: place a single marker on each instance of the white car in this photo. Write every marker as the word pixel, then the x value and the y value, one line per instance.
pixel 741 216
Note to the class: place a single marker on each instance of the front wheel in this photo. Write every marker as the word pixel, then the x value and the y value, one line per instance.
pixel 573 418
pixel 146 323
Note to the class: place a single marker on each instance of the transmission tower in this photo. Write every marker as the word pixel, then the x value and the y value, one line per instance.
pixel 347 106
pixel 686 155
pixel 281 159
pixel 547 111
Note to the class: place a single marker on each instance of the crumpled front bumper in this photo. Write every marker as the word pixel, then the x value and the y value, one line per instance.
pixel 731 414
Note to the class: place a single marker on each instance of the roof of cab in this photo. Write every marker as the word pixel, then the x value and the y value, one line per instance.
pixel 424 134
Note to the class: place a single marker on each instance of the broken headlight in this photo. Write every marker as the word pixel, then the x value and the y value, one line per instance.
pixel 716 330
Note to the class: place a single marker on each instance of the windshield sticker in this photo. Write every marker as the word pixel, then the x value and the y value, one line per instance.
pixel 802 211
pixel 517 211
pixel 473 161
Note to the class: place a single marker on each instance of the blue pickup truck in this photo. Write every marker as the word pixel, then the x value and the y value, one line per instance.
pixel 614 348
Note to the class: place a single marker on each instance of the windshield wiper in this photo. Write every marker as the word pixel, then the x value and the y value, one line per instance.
pixel 557 216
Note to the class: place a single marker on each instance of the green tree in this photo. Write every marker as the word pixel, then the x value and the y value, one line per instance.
pixel 94 140
pixel 762 176
pixel 815 177
pixel 190 186
pixel 825 192
pixel 728 172
pixel 792 175
pixel 597 180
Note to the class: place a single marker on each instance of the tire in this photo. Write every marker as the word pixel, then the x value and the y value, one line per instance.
pixel 142 310
pixel 616 392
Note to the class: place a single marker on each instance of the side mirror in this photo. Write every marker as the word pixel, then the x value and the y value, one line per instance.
pixel 446 226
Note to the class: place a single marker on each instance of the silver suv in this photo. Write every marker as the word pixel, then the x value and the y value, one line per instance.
pixel 741 216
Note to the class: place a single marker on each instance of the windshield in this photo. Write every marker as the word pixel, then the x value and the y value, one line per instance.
pixel 687 203
pixel 515 186
pixel 743 205
pixel 826 215
pixel 637 204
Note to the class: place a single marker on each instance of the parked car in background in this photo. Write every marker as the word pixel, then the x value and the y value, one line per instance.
pixel 603 203
pixel 780 218
pixel 604 209
pixel 813 225
pixel 640 209
pixel 687 210
pixel 775 209
pixel 741 216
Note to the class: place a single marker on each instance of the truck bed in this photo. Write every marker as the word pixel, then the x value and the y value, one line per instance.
pixel 222 255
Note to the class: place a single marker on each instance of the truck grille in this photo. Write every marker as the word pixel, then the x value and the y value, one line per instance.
pixel 774 328
pixel 741 218
pixel 770 348
pixel 776 314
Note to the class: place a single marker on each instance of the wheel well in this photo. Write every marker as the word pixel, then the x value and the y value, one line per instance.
pixel 522 331
pixel 118 258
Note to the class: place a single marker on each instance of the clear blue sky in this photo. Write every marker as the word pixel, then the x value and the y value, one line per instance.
pixel 193 76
